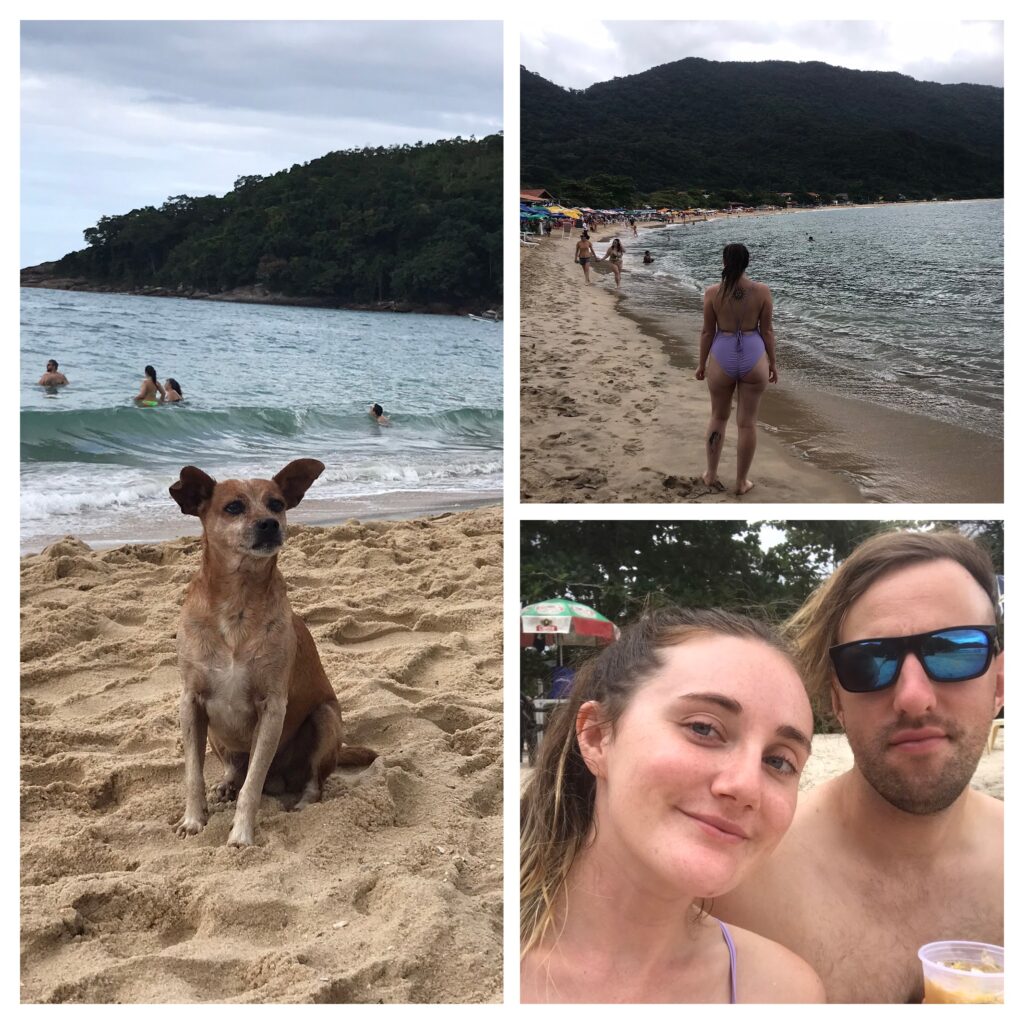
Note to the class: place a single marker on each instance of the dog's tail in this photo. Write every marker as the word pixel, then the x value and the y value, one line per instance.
pixel 355 756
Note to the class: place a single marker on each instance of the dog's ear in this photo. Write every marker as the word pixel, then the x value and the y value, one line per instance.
pixel 193 489
pixel 295 479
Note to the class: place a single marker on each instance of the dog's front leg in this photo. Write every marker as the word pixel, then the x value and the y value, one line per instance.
pixel 194 724
pixel 271 713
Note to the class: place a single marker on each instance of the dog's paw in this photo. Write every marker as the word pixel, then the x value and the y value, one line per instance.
pixel 225 792
pixel 241 835
pixel 190 825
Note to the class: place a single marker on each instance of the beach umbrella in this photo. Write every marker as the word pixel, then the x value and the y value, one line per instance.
pixel 570 623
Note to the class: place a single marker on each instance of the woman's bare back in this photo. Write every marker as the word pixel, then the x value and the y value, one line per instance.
pixel 741 310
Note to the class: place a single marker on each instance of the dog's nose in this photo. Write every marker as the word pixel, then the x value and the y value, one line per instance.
pixel 267 527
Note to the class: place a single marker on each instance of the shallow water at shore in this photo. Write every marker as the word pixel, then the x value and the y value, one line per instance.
pixel 898 306
pixel 262 386
pixel 937 438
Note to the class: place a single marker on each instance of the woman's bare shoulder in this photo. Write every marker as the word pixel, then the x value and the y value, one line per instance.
pixel 767 972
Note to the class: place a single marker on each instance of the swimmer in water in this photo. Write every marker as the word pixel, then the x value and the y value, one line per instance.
pixel 377 412
pixel 172 391
pixel 52 375
pixel 151 390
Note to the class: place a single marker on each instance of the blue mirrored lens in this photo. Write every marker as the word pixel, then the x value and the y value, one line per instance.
pixel 868 666
pixel 955 654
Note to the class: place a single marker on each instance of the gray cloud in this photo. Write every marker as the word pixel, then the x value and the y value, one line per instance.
pixel 122 114
pixel 600 51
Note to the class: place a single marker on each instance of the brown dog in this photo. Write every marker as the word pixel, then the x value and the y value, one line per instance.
pixel 251 675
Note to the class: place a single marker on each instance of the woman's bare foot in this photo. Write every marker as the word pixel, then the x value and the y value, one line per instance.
pixel 742 488
pixel 708 483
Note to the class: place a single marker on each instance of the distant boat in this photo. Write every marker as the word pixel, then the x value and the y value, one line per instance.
pixel 489 316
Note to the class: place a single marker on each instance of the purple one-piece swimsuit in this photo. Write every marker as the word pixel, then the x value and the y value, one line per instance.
pixel 737 352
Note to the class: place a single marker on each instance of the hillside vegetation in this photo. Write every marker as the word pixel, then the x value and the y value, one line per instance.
pixel 405 224
pixel 758 129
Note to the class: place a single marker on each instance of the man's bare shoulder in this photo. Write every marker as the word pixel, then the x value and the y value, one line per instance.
pixel 767 972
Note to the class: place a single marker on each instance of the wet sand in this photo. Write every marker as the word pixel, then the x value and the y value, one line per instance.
pixel 605 417
pixel 575 348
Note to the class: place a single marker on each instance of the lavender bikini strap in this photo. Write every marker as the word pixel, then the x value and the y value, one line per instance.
pixel 732 961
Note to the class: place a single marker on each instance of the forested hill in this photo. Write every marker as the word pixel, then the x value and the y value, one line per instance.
pixel 415 226
pixel 772 126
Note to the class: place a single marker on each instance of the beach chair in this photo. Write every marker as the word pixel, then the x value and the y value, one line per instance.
pixel 997 724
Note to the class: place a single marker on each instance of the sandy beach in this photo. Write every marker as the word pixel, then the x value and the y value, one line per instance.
pixel 831 756
pixel 389 891
pixel 606 418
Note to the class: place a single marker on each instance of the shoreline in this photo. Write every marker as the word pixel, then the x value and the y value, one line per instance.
pixel 255 295
pixel 935 461
pixel 325 513
pixel 606 418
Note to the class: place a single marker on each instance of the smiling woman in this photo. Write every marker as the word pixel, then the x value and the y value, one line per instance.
pixel 669 774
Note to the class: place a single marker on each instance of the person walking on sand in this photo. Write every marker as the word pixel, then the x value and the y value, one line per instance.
pixel 584 254
pixel 669 774
pixel 152 391
pixel 737 355
pixel 52 376
pixel 614 255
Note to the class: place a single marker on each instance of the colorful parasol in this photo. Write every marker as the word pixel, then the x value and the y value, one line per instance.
pixel 568 623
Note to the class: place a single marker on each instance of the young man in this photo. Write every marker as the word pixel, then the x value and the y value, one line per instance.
pixel 899 851
pixel 52 376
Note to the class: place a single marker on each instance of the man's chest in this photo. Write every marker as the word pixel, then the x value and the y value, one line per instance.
pixel 866 951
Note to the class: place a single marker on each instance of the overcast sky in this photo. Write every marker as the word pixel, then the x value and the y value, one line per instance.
pixel 926 49
pixel 118 115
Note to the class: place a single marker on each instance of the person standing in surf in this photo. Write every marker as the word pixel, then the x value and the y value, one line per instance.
pixel 737 356
pixel 152 391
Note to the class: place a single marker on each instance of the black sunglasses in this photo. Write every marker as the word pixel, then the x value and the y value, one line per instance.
pixel 947 655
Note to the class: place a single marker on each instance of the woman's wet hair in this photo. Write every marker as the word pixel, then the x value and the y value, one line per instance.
pixel 151 373
pixel 735 258
pixel 175 386
pixel 557 807
pixel 378 410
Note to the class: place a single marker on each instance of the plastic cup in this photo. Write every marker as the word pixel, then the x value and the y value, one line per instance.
pixel 962 972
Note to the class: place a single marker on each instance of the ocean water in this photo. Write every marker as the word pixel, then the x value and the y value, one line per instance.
pixel 262 385
pixel 900 306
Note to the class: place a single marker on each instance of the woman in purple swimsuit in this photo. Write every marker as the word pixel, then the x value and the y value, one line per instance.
pixel 670 773
pixel 737 354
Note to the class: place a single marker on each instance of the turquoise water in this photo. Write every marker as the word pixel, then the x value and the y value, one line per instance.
pixel 901 306
pixel 262 385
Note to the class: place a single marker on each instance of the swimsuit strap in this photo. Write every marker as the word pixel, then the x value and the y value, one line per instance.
pixel 732 961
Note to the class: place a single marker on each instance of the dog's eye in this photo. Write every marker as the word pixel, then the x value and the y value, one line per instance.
pixel 234 508
pixel 275 505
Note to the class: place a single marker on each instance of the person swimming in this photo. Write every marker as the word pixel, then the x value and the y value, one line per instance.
pixel 152 391
pixel 377 412
pixel 53 376
pixel 172 391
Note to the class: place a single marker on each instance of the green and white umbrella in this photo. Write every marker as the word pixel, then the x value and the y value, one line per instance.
pixel 568 623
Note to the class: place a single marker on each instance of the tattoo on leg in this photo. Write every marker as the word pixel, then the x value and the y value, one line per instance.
pixel 714 439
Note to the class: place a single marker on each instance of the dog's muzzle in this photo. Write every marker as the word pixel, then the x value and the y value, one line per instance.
pixel 266 535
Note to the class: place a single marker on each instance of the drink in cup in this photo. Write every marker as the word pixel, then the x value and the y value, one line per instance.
pixel 962 972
